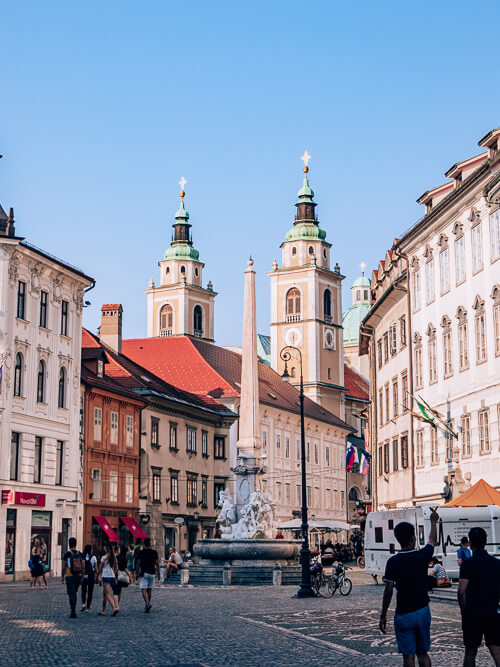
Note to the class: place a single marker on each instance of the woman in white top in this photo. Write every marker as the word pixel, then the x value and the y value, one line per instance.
pixel 107 572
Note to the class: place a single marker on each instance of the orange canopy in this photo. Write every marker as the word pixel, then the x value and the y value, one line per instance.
pixel 481 493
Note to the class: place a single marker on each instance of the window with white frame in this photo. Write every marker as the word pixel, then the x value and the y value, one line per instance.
pixel 484 431
pixel 380 407
pixel 432 350
pixel 327 456
pixel 480 336
pixel 342 500
pixel 288 495
pixel 279 496
pixel 418 368
pixel 496 327
pixel 264 439
pixel 393 332
pixel 298 496
pixel 404 390
pixel 402 331
pixel 434 446
pixel 395 398
pixel 429 281
pixel 204 443
pixel 309 496
pixel 387 402
pixel 417 297
pixel 463 339
pixel 97 424
pixel 297 449
pixel 114 428
pixel 191 440
pixel 129 488
pixel 38 460
pixel 156 485
pixel 129 440
pixel 328 499
pixel 465 424
pixel 287 447
pixel 477 249
pixel 419 439
pixel 60 463
pixel 278 444
pixel 308 451
pixel 96 484
pixel 386 346
pixel 460 260
pixel 444 271
pixel 447 348
pixel 495 234
pixel 379 353
pixel 316 453
pixel 113 486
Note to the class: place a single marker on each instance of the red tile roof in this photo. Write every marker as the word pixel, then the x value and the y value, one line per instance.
pixel 132 376
pixel 210 371
pixel 88 340
pixel 111 306
pixel 356 385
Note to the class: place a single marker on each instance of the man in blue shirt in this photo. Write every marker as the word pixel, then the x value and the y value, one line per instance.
pixel 407 571
pixel 479 597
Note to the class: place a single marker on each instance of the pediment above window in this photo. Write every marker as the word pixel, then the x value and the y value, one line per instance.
pixel 478 304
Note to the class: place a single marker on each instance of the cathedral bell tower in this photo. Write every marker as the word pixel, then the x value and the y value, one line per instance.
pixel 306 305
pixel 180 305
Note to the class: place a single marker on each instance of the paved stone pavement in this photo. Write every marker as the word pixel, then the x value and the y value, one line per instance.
pixel 213 626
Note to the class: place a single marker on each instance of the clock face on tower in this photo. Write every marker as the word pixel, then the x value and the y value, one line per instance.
pixel 329 339
pixel 293 337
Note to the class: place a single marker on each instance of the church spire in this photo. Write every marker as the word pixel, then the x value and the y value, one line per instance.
pixel 182 243
pixel 305 205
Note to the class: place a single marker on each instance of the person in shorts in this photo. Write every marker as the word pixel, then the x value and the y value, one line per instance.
pixel 147 564
pixel 479 597
pixel 407 571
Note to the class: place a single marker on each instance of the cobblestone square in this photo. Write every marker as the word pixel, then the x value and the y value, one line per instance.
pixel 213 626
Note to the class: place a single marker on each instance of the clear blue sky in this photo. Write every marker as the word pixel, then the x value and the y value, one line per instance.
pixel 105 105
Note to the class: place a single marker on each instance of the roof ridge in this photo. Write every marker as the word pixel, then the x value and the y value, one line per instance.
pixel 205 362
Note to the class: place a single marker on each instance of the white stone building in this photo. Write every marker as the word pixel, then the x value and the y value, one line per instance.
pixel 454 258
pixel 41 300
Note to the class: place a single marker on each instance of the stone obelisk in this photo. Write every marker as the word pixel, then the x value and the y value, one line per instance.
pixel 248 445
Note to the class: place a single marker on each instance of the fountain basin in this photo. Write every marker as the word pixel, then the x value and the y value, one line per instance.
pixel 247 550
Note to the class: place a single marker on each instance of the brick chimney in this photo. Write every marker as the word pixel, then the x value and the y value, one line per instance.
pixel 111 326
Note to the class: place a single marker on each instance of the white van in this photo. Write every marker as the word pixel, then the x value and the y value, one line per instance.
pixel 454 523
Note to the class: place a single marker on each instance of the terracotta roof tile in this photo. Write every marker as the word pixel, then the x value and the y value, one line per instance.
pixel 111 306
pixel 88 340
pixel 209 371
pixel 356 385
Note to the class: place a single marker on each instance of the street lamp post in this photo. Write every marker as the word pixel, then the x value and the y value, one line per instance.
pixel 305 589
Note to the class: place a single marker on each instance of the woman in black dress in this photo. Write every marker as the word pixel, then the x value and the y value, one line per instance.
pixel 37 569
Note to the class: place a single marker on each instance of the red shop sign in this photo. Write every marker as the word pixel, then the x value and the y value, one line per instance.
pixel 7 497
pixel 31 499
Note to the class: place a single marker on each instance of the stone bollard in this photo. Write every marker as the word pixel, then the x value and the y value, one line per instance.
pixel 163 572
pixel 184 574
pixel 277 574
pixel 226 575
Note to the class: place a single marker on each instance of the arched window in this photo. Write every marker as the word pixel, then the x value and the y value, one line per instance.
pixel 311 250
pixel 166 320
pixel 293 306
pixel 61 396
pixel 353 494
pixel 18 375
pixel 183 269
pixel 40 384
pixel 294 251
pixel 327 305
pixel 198 321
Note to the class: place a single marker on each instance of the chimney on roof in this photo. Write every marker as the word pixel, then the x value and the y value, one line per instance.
pixel 110 331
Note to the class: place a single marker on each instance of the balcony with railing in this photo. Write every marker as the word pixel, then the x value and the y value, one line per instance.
pixel 165 332
pixel 294 318
pixel 198 333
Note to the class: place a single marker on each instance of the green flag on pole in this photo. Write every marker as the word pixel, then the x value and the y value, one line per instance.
pixel 425 414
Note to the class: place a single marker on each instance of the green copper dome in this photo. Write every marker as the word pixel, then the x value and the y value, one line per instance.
pixel 306 231
pixel 351 321
pixel 362 281
pixel 182 213
pixel 305 190
pixel 181 251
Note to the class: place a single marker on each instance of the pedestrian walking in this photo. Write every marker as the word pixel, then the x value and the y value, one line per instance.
pixel 36 569
pixel 407 571
pixel 43 555
pixel 464 551
pixel 130 559
pixel 123 578
pixel 479 598
pixel 89 577
pixel 147 564
pixel 72 572
pixel 175 561
pixel 107 575
pixel 137 547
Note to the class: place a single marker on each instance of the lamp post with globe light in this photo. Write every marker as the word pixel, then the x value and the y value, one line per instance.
pixel 305 589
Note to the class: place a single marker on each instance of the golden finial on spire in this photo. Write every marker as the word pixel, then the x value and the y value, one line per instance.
pixel 182 183
pixel 305 159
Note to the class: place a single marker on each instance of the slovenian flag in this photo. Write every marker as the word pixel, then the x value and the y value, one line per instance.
pixel 363 468
pixel 350 458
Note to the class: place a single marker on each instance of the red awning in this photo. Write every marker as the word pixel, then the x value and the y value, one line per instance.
pixel 133 526
pixel 102 521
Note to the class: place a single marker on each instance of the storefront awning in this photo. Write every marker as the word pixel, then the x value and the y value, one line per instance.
pixel 133 526
pixel 102 521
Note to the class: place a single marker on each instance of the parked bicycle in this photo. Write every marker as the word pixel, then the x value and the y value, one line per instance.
pixel 340 581
pixel 326 585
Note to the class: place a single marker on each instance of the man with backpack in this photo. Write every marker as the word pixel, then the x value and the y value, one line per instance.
pixel 72 572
